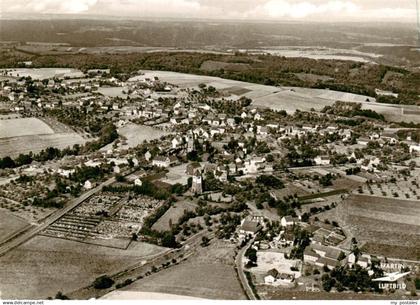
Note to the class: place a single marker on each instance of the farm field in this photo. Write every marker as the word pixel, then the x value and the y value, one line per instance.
pixel 10 224
pixel 42 73
pixel 208 274
pixel 46 265
pixel 14 146
pixel 385 226
pixel 285 98
pixel 173 215
pixel 23 127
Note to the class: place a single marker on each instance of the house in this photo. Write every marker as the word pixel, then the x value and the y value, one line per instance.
pixel 176 142
pixel 88 185
pixel 363 141
pixel 147 155
pixel 274 277
pixel 138 182
pixel 287 221
pixel 363 260
pixel 161 161
pixel 249 227
pixel 321 255
pixel 322 160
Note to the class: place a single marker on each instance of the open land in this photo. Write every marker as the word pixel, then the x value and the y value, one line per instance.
pixel 45 265
pixel 208 274
pixel 286 98
pixel 386 226
pixel 22 135
pixel 10 224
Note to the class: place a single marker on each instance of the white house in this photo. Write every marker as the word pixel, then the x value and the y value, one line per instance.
pixel 322 160
pixel 88 185
pixel 287 221
pixel 138 182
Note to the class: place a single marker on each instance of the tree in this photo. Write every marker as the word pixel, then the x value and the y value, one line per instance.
pixel 205 241
pixel 61 296
pixel 103 282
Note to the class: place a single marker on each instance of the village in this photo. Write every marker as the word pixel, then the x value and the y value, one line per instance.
pixel 314 201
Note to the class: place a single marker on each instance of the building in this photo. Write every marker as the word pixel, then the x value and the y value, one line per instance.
pixel 274 277
pixel 287 221
pixel 322 160
pixel 197 183
pixel 161 161
pixel 249 228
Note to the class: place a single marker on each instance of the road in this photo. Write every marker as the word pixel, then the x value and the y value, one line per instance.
pixel 240 267
pixel 13 243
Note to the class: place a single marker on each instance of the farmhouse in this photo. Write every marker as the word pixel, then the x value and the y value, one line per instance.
pixel 322 160
pixel 249 228
pixel 287 221
pixel 274 277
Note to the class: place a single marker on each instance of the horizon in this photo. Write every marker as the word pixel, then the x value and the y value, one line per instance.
pixel 354 11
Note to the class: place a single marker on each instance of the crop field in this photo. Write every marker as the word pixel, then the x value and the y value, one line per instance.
pixel 45 265
pixel 23 127
pixel 173 215
pixel 208 274
pixel 385 226
pixel 43 73
pixel 35 143
pixel 22 135
pixel 10 224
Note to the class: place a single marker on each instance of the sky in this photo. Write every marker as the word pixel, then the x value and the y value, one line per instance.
pixel 271 10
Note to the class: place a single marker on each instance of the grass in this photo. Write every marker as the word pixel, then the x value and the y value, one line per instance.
pixel 173 215
pixel 10 224
pixel 210 274
pixel 322 195
pixel 46 265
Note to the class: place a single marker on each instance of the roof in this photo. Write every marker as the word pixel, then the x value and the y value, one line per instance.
pixel 250 226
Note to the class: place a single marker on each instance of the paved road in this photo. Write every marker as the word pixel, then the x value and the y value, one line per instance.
pixel 11 244
pixel 240 267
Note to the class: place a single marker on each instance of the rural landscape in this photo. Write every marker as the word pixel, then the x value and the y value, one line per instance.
pixel 191 160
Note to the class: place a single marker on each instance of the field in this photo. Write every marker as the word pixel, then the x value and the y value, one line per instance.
pixel 43 73
pixel 10 224
pixel 22 135
pixel 14 146
pixel 285 98
pixel 23 127
pixel 208 274
pixel 388 227
pixel 113 91
pixel 173 215
pixel 46 265
pixel 136 134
